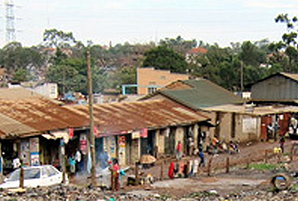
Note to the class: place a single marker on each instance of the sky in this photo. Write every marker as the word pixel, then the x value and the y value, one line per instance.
pixel 142 21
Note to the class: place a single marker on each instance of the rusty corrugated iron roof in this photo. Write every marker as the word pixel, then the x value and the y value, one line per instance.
pixel 253 110
pixel 34 114
pixel 151 114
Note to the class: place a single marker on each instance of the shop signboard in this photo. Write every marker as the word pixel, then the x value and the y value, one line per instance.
pixel 25 153
pixel 121 150
pixel 34 151
pixel 34 158
pixel 70 133
pixel 83 144
pixel 144 133
pixel 136 134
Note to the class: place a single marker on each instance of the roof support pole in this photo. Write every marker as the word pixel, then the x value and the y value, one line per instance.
pixel 91 133
pixel 1 164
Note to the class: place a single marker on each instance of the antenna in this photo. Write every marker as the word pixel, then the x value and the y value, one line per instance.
pixel 10 19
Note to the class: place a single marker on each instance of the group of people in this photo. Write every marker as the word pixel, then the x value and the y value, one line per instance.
pixel 216 147
pixel 75 162
pixel 200 154
pixel 184 168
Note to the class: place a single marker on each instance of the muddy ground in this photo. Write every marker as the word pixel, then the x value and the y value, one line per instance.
pixel 240 178
pixel 240 183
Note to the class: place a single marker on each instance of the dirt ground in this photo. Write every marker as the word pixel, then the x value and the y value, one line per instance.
pixel 238 179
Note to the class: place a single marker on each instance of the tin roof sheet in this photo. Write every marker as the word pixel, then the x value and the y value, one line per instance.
pixel 128 116
pixel 201 94
pixel 34 114
pixel 253 110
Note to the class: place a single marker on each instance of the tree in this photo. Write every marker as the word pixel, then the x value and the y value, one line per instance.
pixel 250 54
pixel 71 75
pixel 162 57
pixel 21 75
pixel 14 57
pixel 290 41
pixel 289 38
pixel 127 75
pixel 58 39
pixel 179 44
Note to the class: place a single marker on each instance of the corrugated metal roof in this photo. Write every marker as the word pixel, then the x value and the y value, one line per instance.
pixel 290 75
pixel 203 93
pixel 34 114
pixel 31 115
pixel 253 110
pixel 128 116
pixel 287 75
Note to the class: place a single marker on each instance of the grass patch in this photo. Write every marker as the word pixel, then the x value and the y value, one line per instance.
pixel 165 197
pixel 263 166
pixel 295 187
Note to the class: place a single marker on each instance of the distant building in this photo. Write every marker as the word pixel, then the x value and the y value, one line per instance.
pixel 49 90
pixel 193 53
pixel 280 87
pixel 108 96
pixel 150 79
pixel 203 95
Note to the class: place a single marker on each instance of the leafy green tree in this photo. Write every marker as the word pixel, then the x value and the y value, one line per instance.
pixel 217 66
pixel 289 38
pixel 179 44
pixel 289 42
pixel 58 39
pixel 21 75
pixel 251 55
pixel 14 56
pixel 71 75
pixel 162 57
pixel 126 75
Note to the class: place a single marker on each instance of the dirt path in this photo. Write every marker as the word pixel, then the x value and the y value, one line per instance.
pixel 238 180
pixel 253 152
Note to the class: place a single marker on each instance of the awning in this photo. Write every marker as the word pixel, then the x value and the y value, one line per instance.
pixel 54 135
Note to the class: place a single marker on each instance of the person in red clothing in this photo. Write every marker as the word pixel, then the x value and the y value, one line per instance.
pixel 171 170
pixel 178 151
pixel 115 168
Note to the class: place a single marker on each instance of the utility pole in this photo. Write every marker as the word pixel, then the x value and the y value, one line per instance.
pixel 91 133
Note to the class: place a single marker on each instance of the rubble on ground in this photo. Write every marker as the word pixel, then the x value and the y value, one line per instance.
pixel 72 192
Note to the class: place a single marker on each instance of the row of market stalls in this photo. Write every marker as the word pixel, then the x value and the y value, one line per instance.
pixel 248 122
pixel 35 129
pixel 234 119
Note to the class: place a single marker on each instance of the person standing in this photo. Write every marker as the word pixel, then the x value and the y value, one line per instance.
pixel 115 168
pixel 269 131
pixel 78 158
pixel 178 151
pixel 282 143
pixel 171 170
pixel 201 156
pixel 191 146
